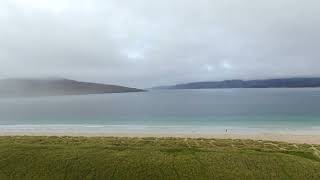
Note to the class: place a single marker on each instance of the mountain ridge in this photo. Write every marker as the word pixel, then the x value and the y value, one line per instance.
pixel 56 87
pixel 237 83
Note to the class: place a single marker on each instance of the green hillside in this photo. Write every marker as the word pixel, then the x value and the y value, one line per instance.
pixel 76 158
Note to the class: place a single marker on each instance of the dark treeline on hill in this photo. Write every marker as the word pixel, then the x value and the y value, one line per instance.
pixel 267 83
pixel 56 87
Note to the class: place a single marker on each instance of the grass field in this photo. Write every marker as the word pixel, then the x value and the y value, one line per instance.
pixel 76 158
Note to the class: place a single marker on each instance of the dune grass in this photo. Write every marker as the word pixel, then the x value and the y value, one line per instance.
pixel 76 158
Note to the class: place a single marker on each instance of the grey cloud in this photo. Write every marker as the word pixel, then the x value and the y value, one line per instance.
pixel 146 43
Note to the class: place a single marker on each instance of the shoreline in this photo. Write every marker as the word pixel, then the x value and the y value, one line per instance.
pixel 293 135
pixel 278 137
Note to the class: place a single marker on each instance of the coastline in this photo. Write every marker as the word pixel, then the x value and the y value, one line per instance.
pixel 293 135
pixel 278 137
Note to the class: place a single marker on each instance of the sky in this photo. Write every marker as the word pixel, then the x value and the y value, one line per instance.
pixel 143 43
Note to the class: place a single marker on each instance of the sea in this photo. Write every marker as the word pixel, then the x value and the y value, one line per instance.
pixel 206 111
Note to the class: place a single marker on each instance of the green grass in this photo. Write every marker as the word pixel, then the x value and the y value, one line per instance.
pixel 154 158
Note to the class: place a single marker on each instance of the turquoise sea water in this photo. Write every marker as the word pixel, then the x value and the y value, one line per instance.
pixel 167 110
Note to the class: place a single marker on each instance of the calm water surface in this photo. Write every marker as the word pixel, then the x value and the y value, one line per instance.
pixel 241 108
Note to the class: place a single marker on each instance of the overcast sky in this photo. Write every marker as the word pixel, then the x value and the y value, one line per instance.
pixel 144 43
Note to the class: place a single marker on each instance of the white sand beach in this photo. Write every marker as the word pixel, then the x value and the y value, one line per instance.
pixel 290 138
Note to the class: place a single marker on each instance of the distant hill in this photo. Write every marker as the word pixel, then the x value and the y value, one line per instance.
pixel 267 83
pixel 56 87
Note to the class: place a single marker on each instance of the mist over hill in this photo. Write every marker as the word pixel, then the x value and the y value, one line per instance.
pixel 267 83
pixel 56 87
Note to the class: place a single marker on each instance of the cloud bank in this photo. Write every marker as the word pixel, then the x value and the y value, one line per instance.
pixel 144 43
